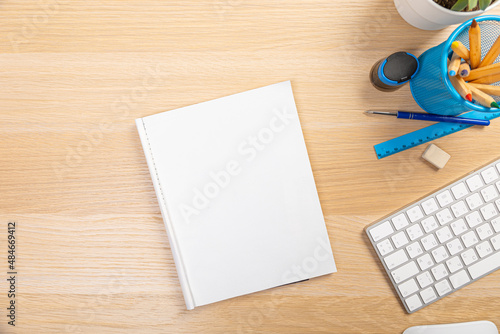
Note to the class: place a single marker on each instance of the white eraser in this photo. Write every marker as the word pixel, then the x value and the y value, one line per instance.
pixel 436 156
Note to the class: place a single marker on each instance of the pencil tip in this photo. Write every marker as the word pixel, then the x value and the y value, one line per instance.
pixel 473 24
pixel 469 97
pixel 495 105
pixel 453 73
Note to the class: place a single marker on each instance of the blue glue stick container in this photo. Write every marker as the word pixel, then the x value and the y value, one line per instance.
pixel 391 73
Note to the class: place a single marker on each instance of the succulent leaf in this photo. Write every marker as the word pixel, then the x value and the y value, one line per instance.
pixel 483 4
pixel 472 5
pixel 460 5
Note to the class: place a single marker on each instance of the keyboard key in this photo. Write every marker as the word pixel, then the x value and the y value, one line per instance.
pixel 425 279
pixel 444 198
pixel 429 224
pixel 400 221
pixel 430 206
pixel 413 303
pixel 474 201
pixel 485 266
pixel 414 250
pixel 395 259
pixel 385 247
pixel 414 232
pixel 459 190
pixel 443 287
pixel 495 241
pixel 489 193
pixel 469 256
pixel 459 209
pixel 444 216
pixel 459 279
pixel 474 183
pixel 496 224
pixel 473 219
pixel 455 246
pixel 439 272
pixel 469 239
pixel 404 272
pixel 459 227
pixel 440 254
pixel 381 231
pixel 428 295
pixel 454 264
pixel 429 242
pixel 484 231
pixel 399 239
pixel 414 214
pixel 484 249
pixel 444 234
pixel 489 175
pixel 425 261
pixel 408 287
pixel 497 202
pixel 488 211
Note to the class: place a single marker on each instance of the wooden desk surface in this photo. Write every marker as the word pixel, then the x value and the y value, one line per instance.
pixel 92 252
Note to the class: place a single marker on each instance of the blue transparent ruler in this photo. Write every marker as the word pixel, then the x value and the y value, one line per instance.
pixel 427 134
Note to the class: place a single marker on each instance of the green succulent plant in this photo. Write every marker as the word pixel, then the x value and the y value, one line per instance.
pixel 460 5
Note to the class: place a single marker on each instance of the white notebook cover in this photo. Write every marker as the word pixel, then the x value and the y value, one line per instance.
pixel 237 194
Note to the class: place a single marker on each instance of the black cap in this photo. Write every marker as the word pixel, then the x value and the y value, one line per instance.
pixel 399 67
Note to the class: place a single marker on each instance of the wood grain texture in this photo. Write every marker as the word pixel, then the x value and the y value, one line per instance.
pixel 93 255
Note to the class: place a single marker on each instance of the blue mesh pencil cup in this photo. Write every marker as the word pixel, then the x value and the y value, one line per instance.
pixel 431 87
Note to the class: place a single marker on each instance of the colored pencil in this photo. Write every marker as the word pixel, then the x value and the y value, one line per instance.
pixel 454 64
pixel 482 72
pixel 487 80
pixel 488 89
pixel 492 54
pixel 475 44
pixel 461 87
pixel 464 70
pixel 483 98
pixel 461 50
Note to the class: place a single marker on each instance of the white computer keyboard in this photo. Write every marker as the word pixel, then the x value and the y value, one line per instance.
pixel 443 242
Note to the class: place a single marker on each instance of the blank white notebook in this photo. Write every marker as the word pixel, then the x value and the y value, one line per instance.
pixel 237 194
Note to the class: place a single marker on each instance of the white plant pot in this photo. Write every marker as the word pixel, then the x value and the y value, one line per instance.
pixel 428 15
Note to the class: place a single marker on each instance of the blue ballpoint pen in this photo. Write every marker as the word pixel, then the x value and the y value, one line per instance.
pixel 431 117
